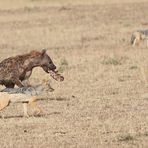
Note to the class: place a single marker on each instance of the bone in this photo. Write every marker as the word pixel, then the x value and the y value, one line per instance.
pixel 56 76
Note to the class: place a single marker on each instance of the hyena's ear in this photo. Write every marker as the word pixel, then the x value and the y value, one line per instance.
pixel 43 52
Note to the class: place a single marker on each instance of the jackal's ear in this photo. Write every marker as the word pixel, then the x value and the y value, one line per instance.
pixel 43 51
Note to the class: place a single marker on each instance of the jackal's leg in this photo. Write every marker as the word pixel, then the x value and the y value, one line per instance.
pixel 4 102
pixel 138 41
pixel 146 42
pixel 25 110
pixel 134 43
pixel 32 103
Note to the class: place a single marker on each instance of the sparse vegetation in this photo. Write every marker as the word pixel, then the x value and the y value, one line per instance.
pixel 126 138
pixel 63 65
pixel 111 61
pixel 146 134
pixel 100 102
pixel 133 67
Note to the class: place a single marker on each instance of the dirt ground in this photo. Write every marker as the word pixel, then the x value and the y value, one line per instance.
pixel 100 104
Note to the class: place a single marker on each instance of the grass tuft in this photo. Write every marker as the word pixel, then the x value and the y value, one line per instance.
pixel 126 138
pixel 111 61
pixel 133 67
pixel 63 65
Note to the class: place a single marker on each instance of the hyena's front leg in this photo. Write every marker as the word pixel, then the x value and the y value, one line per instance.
pixel 15 79
pixel 26 82
pixel 18 82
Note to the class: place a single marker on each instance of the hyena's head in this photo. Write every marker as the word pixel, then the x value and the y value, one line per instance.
pixel 46 62
pixel 43 60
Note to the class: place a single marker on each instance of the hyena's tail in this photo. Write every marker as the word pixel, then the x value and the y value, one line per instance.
pixel 133 37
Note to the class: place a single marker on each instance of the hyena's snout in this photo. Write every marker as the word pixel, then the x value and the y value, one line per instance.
pixel 53 67
pixel 49 67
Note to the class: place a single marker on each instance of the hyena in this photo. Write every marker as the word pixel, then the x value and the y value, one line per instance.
pixel 139 35
pixel 14 70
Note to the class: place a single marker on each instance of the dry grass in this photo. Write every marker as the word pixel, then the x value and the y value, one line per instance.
pixel 99 104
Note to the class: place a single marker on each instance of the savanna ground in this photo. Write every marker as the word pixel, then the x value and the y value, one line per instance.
pixel 100 103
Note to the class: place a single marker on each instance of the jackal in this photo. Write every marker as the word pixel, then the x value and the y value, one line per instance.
pixel 27 95
pixel 139 35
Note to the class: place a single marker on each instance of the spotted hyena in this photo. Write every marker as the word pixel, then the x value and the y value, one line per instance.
pixel 14 70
